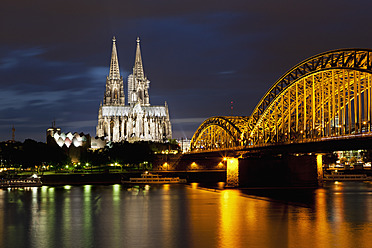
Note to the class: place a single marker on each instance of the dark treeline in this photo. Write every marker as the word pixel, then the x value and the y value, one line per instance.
pixel 126 153
pixel 31 153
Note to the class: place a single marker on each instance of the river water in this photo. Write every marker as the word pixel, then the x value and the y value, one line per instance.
pixel 338 215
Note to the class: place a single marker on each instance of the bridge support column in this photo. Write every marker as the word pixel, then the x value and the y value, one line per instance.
pixel 232 173
pixel 319 168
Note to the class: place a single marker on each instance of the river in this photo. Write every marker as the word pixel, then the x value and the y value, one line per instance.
pixel 338 215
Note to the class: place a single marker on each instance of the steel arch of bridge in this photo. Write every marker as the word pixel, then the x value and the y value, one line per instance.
pixel 220 132
pixel 326 96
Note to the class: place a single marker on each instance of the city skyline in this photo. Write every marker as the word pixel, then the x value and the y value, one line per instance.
pixel 199 57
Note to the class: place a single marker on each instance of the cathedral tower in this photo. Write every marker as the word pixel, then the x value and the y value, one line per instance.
pixel 114 94
pixel 138 85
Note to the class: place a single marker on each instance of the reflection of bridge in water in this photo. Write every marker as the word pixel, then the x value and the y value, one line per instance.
pixel 321 104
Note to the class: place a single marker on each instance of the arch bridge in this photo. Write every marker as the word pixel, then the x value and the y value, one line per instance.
pixel 327 96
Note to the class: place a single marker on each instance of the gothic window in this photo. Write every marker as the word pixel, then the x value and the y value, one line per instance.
pixel 111 129
pixel 105 129
pixel 116 94
pixel 125 129
pixel 141 95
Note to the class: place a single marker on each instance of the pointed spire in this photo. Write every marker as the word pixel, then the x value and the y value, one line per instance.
pixel 138 67
pixel 114 66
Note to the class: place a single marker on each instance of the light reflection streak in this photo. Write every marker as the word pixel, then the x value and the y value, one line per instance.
pixel 166 217
pixel 137 213
pixel 87 189
pixel 228 222
pixel 2 221
pixel 116 194
pixel 221 185
pixel 42 215
pixel 35 213
pixel 116 211
pixel 34 194
pixel 194 185
pixel 88 216
pixel 240 215
pixel 66 217
pixel 320 224
pixel 166 187
pixel 204 218
pixel 147 214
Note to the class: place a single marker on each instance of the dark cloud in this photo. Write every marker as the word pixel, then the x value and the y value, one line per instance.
pixel 199 55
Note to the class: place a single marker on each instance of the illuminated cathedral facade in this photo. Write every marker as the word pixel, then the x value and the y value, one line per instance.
pixel 138 120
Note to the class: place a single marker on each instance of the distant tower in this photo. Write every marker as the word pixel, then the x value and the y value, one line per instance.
pixel 51 131
pixel 13 134
pixel 138 85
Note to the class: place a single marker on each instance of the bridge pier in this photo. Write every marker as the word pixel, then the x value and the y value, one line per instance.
pixel 319 169
pixel 280 170
pixel 232 172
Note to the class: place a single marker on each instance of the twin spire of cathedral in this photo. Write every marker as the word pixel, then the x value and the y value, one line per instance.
pixel 138 85
pixel 138 68
pixel 137 82
pixel 138 120
pixel 114 65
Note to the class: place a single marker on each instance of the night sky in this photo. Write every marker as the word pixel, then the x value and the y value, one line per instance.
pixel 199 55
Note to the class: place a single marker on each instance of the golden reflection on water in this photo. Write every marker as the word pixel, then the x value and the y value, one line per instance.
pixel 203 217
pixel 228 223
pixel 166 187
pixel 332 221
pixel 194 185
pixel 245 222
pixel 184 216
pixel 167 215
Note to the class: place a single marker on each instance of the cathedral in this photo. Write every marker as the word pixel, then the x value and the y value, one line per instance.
pixel 138 120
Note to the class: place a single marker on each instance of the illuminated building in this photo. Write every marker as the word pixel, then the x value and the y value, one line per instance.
pixel 184 144
pixel 138 120
pixel 74 144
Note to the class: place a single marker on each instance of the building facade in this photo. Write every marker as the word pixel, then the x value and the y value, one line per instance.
pixel 73 144
pixel 138 120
